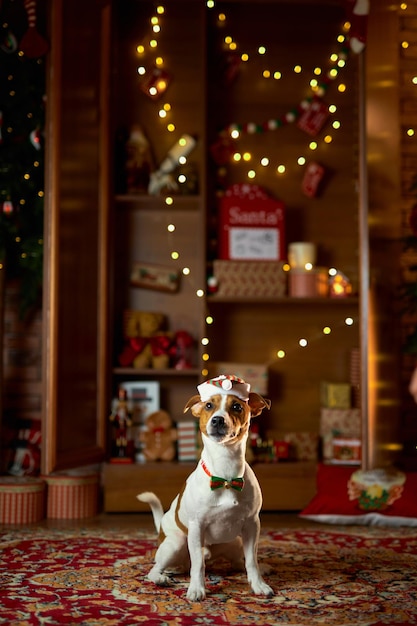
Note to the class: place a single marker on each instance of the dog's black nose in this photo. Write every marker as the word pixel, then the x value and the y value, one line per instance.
pixel 217 421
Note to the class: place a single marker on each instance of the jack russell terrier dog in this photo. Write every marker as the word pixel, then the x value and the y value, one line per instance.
pixel 217 511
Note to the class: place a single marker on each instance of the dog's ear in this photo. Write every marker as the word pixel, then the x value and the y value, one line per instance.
pixel 191 403
pixel 257 404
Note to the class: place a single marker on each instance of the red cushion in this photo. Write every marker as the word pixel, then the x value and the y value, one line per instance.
pixel 350 496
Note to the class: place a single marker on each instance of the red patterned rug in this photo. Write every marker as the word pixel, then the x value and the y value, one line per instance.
pixel 347 576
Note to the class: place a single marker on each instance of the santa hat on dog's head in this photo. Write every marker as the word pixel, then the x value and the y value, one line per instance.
pixel 223 384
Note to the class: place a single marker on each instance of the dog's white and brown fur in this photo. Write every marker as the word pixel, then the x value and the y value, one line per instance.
pixel 204 522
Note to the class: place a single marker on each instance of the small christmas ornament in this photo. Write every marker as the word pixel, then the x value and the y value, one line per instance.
pixel 413 219
pixel 32 43
pixel 35 138
pixel 8 207
pixel 313 177
pixel 139 161
pixel 156 83
pixel 222 149
pixel 314 117
pixel 9 42
pixel 358 11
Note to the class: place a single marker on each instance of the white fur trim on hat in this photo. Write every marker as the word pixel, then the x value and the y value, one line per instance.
pixel 231 385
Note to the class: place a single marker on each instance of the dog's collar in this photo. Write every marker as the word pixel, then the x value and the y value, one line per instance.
pixel 218 483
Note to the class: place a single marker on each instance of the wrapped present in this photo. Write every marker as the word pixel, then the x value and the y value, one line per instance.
pixel 250 278
pixel 251 225
pixel 255 375
pixel 337 423
pixel 188 440
pixel 346 451
pixel 72 496
pixel 304 445
pixel 336 395
pixel 21 499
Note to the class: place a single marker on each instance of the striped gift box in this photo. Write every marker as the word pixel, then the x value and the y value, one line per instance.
pixel 188 441
pixel 72 496
pixel 21 500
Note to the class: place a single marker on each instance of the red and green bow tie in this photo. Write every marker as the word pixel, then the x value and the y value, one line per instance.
pixel 221 483
pixel 218 483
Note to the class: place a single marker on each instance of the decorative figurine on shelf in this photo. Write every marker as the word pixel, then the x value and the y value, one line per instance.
pixel 158 437
pixel 121 419
pixel 162 179
pixel 139 161
pixel 184 343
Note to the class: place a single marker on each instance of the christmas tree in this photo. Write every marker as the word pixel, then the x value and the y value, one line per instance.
pixel 22 115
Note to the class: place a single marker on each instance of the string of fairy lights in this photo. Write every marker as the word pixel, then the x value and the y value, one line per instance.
pixel 151 62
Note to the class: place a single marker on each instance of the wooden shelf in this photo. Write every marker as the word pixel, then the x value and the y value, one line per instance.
pixel 157 202
pixel 285 300
pixel 171 372
pixel 124 482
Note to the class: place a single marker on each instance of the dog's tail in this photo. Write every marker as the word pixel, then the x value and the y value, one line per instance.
pixel 156 507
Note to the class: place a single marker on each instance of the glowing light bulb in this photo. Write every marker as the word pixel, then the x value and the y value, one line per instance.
pixel 336 124
pixel 162 113
pixel 169 200
pixel 186 271
pixel 199 293
pixel 313 145
pixel 349 321
pixel 328 139
pixel 410 132
pixel 332 108
pixel 159 61
pixel 205 341
pixel 140 49
pixel 327 330
pixel 261 50
pixel 237 157
pixel 341 88
pixel 281 354
pixel 266 74
pixel 277 75
pixel 332 271
pixel 205 356
pixel 234 134
pixel 153 43
pixel 301 160
pixel 171 127
pixel 247 156
pixel 209 320
pixel 264 161
pixel 141 70
pixel 251 174
pixel 175 255
pixel 302 343
pixel 297 69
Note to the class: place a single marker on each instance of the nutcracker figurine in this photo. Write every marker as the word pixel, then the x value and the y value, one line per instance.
pixel 121 419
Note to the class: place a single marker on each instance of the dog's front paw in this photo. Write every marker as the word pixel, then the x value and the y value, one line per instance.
pixel 260 588
pixel 159 578
pixel 196 593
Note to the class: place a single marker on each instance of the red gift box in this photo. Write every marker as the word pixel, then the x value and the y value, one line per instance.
pixel 251 225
